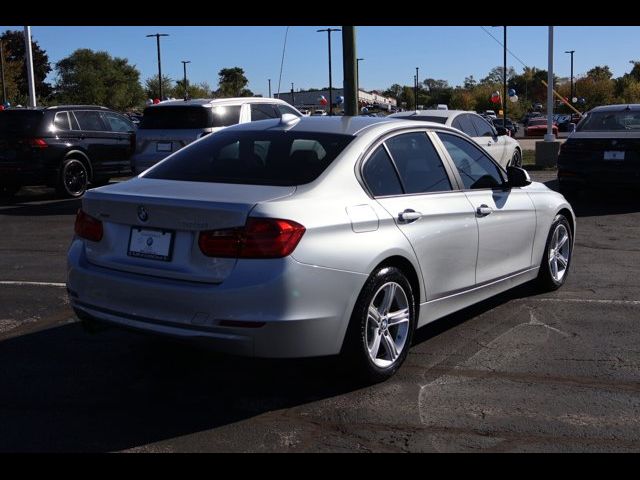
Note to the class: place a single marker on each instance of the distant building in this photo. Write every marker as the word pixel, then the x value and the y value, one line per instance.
pixel 310 100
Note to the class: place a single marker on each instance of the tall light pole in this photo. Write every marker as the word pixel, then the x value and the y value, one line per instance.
pixel 350 71
pixel 184 66
pixel 358 60
pixel 417 86
pixel 30 77
pixel 293 98
pixel 571 52
pixel 4 85
pixel 550 137
pixel 158 35
pixel 329 30
pixel 415 93
pixel 504 80
pixel 269 88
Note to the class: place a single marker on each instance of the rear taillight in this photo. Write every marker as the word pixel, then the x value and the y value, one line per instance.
pixel 259 238
pixel 88 227
pixel 37 143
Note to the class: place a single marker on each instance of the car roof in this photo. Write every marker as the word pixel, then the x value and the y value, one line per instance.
pixel 430 113
pixel 341 125
pixel 212 102
pixel 71 107
pixel 617 107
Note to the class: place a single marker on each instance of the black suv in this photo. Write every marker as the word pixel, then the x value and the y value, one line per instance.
pixel 66 147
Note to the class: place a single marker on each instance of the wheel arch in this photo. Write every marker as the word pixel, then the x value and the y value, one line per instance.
pixel 83 157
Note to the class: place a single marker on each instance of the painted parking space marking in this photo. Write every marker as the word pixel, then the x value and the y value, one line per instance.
pixel 37 284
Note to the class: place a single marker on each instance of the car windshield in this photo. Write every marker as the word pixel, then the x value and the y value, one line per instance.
pixel 607 121
pixel 537 121
pixel 255 157
pixel 19 122
pixel 426 118
pixel 189 117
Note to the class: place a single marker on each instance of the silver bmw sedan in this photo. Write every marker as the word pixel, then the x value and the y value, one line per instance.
pixel 299 237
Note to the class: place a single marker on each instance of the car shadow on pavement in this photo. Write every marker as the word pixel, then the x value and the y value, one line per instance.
pixel 595 202
pixel 62 389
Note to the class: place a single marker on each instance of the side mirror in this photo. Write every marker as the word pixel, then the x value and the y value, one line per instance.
pixel 502 131
pixel 517 177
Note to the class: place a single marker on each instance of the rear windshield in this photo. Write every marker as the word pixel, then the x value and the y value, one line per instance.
pixel 426 118
pixel 257 158
pixel 607 121
pixel 20 121
pixel 537 121
pixel 189 117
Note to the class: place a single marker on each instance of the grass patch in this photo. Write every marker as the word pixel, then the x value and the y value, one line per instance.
pixel 529 161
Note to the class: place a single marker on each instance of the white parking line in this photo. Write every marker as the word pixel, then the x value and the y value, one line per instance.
pixel 588 300
pixel 37 284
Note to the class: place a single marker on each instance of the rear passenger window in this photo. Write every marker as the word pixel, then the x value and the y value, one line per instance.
pixel 418 163
pixel 380 175
pixel 61 122
pixel 262 111
pixel 463 123
pixel 90 120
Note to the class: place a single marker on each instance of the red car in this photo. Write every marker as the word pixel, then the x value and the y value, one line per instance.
pixel 538 127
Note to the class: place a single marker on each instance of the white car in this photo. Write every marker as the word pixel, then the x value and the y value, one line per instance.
pixel 301 237
pixel 504 149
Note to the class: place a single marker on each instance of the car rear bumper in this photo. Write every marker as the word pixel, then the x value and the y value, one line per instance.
pixel 598 175
pixel 292 310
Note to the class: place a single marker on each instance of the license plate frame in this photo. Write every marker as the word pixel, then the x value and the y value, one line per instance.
pixel 151 243
pixel 164 147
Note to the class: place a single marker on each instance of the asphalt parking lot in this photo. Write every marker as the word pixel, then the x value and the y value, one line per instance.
pixel 520 372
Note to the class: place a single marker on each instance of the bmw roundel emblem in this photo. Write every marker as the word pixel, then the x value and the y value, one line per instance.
pixel 143 215
pixel 149 241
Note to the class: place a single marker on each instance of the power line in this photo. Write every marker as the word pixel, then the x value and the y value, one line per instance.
pixel 502 45
pixel 282 62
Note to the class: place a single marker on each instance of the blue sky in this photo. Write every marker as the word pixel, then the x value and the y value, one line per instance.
pixel 391 53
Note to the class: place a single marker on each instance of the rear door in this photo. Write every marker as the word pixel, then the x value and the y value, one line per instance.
pixel 407 176
pixel 506 218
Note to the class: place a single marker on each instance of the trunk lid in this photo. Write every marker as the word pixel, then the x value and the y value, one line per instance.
pixel 175 212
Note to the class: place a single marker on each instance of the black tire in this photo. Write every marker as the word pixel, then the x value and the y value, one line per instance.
pixel 546 280
pixel 73 178
pixel 355 351
pixel 8 191
pixel 516 159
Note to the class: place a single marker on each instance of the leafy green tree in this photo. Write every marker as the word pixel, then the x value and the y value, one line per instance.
pixel 233 83
pixel 16 66
pixel 151 87
pixel 470 82
pixel 462 99
pixel 495 75
pixel 394 91
pixel 407 98
pixel 199 90
pixel 88 77
pixel 599 73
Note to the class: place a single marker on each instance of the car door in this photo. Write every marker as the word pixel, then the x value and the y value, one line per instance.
pixel 506 217
pixel 409 179
pixel 122 142
pixel 487 137
pixel 94 138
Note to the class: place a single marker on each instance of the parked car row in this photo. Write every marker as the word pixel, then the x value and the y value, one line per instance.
pixel 72 147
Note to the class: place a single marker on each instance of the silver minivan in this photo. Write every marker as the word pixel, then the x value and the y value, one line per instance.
pixel 171 125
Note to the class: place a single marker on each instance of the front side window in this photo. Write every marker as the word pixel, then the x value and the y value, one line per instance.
pixel 482 126
pixel 418 163
pixel 476 169
pixel 380 174
pixel 254 157
pixel 118 123
pixel 262 111
pixel 286 109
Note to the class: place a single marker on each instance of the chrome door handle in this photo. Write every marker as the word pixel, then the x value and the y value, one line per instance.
pixel 483 210
pixel 409 215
